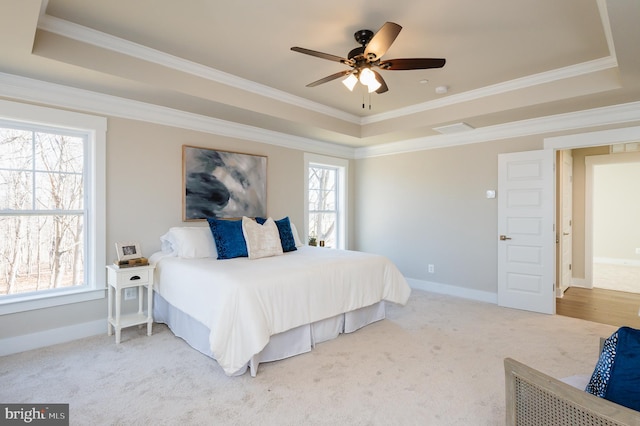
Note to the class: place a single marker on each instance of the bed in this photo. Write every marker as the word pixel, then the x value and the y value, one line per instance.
pixel 243 311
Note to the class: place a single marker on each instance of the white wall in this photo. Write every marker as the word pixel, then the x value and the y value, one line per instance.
pixel 144 180
pixel 616 210
pixel 430 207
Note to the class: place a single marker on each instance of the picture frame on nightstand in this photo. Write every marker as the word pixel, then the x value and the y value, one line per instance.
pixel 128 251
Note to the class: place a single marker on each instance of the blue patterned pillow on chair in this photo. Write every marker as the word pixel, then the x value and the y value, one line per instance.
pixel 602 373
pixel 617 373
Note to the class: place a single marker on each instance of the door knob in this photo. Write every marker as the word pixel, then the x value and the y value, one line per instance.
pixel 504 237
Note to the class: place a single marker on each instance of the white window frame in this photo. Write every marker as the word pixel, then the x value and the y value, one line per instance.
pixel 95 129
pixel 342 191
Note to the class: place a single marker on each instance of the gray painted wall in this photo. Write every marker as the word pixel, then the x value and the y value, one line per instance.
pixel 430 207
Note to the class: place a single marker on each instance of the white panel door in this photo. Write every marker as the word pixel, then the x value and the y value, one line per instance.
pixel 526 246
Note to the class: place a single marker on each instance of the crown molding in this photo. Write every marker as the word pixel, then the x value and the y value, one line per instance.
pixel 617 114
pixel 37 91
pixel 30 90
pixel 499 88
pixel 125 47
pixel 601 137
pixel 106 41
pixel 606 26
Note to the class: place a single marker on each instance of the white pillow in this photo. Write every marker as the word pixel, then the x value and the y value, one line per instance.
pixel 167 246
pixel 189 242
pixel 296 237
pixel 262 240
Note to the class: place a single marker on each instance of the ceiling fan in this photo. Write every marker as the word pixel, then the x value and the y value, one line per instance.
pixel 363 59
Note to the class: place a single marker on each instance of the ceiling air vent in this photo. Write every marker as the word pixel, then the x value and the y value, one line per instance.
pixel 453 128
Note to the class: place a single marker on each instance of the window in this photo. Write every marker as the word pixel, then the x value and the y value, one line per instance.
pixel 51 207
pixel 325 192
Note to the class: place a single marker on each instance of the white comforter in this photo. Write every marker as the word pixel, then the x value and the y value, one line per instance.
pixel 244 302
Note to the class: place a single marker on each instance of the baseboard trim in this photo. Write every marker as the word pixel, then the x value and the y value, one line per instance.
pixel 452 290
pixel 616 261
pixel 41 339
pixel 580 282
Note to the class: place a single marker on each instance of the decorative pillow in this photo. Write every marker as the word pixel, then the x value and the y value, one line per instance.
pixel 262 240
pixel 229 239
pixel 189 242
pixel 167 244
pixel 286 234
pixel 624 383
pixel 296 237
pixel 617 373
pixel 602 373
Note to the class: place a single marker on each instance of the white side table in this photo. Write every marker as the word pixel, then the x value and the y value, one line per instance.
pixel 120 278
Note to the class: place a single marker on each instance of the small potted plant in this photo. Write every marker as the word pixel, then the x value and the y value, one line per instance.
pixel 313 241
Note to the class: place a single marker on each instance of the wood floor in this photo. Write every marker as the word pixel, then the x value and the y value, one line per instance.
pixel 599 305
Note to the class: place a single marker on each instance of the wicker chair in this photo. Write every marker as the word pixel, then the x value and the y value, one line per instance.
pixel 535 399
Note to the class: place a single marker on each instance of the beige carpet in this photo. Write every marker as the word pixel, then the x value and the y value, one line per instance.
pixel 436 361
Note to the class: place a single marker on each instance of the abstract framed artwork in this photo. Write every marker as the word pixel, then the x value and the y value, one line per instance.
pixel 222 184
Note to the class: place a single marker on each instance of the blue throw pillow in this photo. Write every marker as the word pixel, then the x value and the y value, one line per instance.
pixel 624 383
pixel 229 238
pixel 602 373
pixel 286 234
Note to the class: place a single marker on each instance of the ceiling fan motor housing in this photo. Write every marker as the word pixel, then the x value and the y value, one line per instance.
pixel 357 52
pixel 363 36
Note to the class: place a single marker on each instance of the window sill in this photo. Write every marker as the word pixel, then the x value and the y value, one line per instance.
pixel 15 304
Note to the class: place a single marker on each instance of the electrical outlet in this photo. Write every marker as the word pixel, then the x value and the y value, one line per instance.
pixel 638 250
pixel 432 269
pixel 130 293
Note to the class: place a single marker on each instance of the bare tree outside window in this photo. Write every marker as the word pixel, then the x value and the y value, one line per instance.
pixel 323 204
pixel 41 210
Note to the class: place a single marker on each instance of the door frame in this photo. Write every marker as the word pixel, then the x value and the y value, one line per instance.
pixel 590 139
pixel 564 233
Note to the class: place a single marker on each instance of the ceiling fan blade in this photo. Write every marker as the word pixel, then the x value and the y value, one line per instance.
pixel 320 55
pixel 412 63
pixel 382 40
pixel 383 85
pixel 329 78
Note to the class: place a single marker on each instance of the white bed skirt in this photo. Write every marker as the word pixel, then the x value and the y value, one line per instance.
pixel 292 342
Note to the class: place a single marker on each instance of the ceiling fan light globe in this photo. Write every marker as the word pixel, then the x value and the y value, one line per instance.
pixel 367 76
pixel 350 81
pixel 373 86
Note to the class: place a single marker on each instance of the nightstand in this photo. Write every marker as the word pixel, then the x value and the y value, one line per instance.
pixel 121 278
